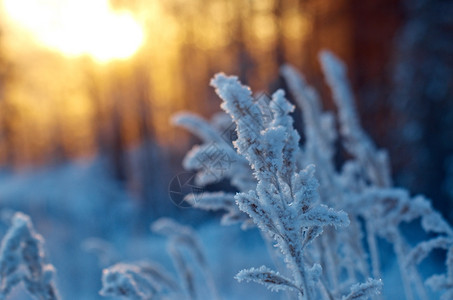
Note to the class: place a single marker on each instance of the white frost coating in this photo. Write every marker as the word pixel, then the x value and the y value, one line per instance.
pixel 363 291
pixel 285 203
pixel 271 279
pixel 126 281
pixel 319 126
pixel 341 250
pixel 138 281
pixel 22 260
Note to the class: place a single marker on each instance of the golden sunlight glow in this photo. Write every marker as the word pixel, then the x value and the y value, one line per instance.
pixel 77 27
pixel 151 58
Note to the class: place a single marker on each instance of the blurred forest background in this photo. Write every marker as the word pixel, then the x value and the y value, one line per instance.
pixel 57 107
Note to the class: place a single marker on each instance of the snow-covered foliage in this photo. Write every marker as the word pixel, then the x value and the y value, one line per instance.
pixel 292 204
pixel 139 281
pixel 22 260
pixel 285 203
pixel 147 280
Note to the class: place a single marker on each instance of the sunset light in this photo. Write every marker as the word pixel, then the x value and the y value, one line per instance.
pixel 78 27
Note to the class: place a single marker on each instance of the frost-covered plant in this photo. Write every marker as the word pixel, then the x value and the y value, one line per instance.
pixel 383 207
pixel 147 280
pixel 285 204
pixel 288 200
pixel 184 238
pixel 139 281
pixel 340 250
pixel 22 259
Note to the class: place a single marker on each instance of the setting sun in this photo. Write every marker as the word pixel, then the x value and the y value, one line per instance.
pixel 78 27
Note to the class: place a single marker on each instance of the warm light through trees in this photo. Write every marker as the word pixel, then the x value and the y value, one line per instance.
pixel 76 27
pixel 71 91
